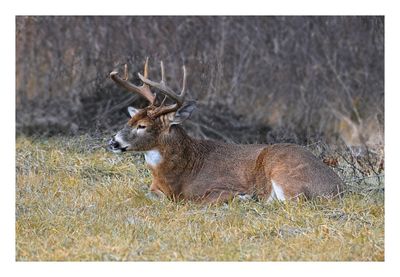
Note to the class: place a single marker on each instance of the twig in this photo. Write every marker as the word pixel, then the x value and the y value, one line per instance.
pixel 366 177
pixel 314 143
pixel 346 89
pixel 197 124
pixel 119 106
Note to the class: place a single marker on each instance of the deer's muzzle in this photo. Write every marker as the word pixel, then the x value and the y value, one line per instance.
pixel 115 146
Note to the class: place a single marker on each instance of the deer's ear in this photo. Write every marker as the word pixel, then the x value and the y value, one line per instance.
pixel 132 111
pixel 183 113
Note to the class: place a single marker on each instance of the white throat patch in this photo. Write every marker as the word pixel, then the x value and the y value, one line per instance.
pixel 153 157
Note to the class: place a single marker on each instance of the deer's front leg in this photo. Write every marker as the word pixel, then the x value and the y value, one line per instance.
pixel 218 196
pixel 155 193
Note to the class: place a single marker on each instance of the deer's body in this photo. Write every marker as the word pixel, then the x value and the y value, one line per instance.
pixel 211 171
pixel 203 170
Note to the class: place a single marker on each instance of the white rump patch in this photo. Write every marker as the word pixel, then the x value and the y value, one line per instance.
pixel 153 157
pixel 276 192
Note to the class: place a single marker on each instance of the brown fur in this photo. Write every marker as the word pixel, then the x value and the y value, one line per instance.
pixel 210 171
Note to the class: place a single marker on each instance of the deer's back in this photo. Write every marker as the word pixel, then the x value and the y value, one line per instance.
pixel 254 168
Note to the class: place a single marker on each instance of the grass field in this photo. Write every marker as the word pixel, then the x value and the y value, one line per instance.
pixel 76 201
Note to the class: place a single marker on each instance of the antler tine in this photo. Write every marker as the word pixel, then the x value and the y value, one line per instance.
pixel 143 90
pixel 183 91
pixel 126 72
pixel 162 72
pixel 146 68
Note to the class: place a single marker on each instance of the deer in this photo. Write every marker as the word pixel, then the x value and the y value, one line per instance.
pixel 210 171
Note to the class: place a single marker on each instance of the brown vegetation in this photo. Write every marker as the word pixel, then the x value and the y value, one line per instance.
pixel 306 78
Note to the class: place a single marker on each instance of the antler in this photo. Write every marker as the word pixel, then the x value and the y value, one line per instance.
pixel 143 90
pixel 164 89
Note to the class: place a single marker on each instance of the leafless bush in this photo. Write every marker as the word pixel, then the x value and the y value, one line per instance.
pixel 361 168
pixel 261 79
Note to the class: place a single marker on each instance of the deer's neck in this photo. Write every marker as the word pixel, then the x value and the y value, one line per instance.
pixel 177 159
pixel 179 151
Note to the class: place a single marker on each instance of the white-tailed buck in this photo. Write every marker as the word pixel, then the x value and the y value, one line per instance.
pixel 209 171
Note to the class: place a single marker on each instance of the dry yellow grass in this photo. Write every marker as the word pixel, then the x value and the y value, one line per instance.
pixel 75 201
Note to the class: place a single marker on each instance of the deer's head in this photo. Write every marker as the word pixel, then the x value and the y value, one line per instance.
pixel 148 127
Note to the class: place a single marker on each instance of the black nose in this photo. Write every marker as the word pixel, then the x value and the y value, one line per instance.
pixel 113 143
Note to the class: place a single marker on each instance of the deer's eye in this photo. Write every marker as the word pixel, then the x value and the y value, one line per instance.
pixel 141 127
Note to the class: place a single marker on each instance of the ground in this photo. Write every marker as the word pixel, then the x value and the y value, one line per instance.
pixel 75 201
